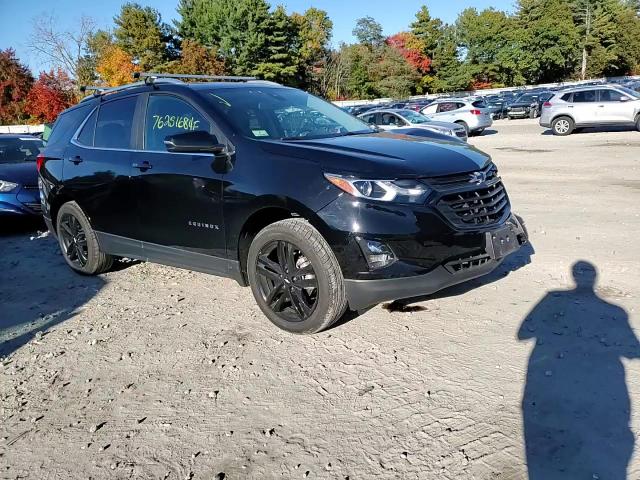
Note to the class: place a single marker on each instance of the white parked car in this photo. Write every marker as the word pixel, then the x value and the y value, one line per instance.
pixel 591 107
pixel 393 119
pixel 472 114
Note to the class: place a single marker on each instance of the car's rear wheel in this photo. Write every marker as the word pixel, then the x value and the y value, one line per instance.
pixel 463 124
pixel 78 241
pixel 638 123
pixel 562 126
pixel 295 277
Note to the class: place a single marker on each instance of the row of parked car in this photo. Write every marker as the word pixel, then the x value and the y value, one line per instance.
pixel 471 115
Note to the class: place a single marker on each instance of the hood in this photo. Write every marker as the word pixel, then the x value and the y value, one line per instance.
pixel 385 155
pixel 440 125
pixel 24 173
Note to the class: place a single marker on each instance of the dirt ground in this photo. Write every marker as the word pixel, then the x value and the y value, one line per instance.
pixel 154 372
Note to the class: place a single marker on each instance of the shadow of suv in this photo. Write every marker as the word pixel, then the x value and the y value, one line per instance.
pixel 275 188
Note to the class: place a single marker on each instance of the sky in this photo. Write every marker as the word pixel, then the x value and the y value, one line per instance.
pixel 16 16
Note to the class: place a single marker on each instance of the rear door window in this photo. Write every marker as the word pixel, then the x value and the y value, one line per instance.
pixel 168 115
pixel 447 107
pixel 114 123
pixel 585 96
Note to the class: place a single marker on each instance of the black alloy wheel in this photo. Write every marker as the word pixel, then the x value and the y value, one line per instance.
pixel 73 240
pixel 287 281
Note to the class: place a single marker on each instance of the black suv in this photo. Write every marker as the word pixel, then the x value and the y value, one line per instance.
pixel 275 188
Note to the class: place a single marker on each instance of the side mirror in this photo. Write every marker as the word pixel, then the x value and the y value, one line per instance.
pixel 624 99
pixel 197 141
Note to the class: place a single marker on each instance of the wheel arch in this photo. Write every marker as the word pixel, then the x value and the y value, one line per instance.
pixel 555 117
pixel 272 212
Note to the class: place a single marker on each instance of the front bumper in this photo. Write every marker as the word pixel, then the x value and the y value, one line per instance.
pixel 365 293
pixel 430 251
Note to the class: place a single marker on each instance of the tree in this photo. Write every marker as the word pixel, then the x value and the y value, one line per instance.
pixel 392 75
pixel 15 82
pixel 52 93
pixel 282 49
pixel 488 41
pixel 412 49
pixel 116 66
pixel 428 30
pixel 196 59
pixel 314 30
pixel 368 32
pixel 141 33
pixel 450 74
pixel 549 40
pixel 236 27
pixel 61 48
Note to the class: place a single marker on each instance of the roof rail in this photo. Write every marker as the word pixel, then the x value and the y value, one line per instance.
pixel 152 77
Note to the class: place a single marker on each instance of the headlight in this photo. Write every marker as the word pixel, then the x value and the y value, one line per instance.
pixel 6 187
pixel 401 191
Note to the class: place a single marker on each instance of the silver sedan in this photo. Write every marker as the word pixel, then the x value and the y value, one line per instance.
pixel 393 119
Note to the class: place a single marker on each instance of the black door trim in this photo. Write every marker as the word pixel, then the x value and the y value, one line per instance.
pixel 171 256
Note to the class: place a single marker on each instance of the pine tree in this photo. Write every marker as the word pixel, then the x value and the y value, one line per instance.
pixel 282 49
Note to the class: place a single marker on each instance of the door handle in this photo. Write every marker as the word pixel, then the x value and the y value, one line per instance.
pixel 76 159
pixel 600 106
pixel 142 166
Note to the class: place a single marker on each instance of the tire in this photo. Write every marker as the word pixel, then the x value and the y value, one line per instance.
pixel 464 124
pixel 312 297
pixel 78 242
pixel 562 126
pixel 638 123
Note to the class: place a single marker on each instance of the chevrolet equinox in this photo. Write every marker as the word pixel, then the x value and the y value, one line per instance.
pixel 311 207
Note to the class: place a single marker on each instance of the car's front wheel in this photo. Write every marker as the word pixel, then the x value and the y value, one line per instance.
pixel 78 241
pixel 295 277
pixel 562 126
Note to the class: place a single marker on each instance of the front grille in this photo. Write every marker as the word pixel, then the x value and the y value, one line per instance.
pixel 467 263
pixel 482 206
pixel 517 109
pixel 467 204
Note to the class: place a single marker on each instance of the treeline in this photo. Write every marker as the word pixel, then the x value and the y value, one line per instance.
pixel 541 41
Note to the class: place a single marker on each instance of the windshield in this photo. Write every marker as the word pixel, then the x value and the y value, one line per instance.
pixel 266 113
pixel 18 150
pixel 631 93
pixel 414 117
pixel 528 98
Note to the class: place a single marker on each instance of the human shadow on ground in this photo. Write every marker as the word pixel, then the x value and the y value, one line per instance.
pixel 576 406
pixel 37 288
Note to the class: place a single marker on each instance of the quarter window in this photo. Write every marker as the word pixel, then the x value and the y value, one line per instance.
pixel 86 135
pixel 168 115
pixel 113 128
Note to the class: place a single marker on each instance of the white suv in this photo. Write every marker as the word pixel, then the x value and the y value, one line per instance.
pixel 472 114
pixel 590 107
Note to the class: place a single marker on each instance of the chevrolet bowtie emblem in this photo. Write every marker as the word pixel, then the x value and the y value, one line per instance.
pixel 477 177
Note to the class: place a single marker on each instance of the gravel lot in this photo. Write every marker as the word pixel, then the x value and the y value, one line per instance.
pixel 154 372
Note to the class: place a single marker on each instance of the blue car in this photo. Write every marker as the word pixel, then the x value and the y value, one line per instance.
pixel 19 193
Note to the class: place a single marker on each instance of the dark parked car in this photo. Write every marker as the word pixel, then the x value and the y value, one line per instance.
pixel 19 193
pixel 275 188
pixel 525 106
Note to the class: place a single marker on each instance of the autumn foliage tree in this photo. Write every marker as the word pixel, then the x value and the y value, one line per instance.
pixel 116 66
pixel 15 82
pixel 411 48
pixel 51 94
pixel 197 59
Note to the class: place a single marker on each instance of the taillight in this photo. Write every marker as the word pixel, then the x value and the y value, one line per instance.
pixel 476 112
pixel 39 161
pixel 546 104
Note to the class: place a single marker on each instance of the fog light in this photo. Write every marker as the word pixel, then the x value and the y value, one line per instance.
pixel 378 254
